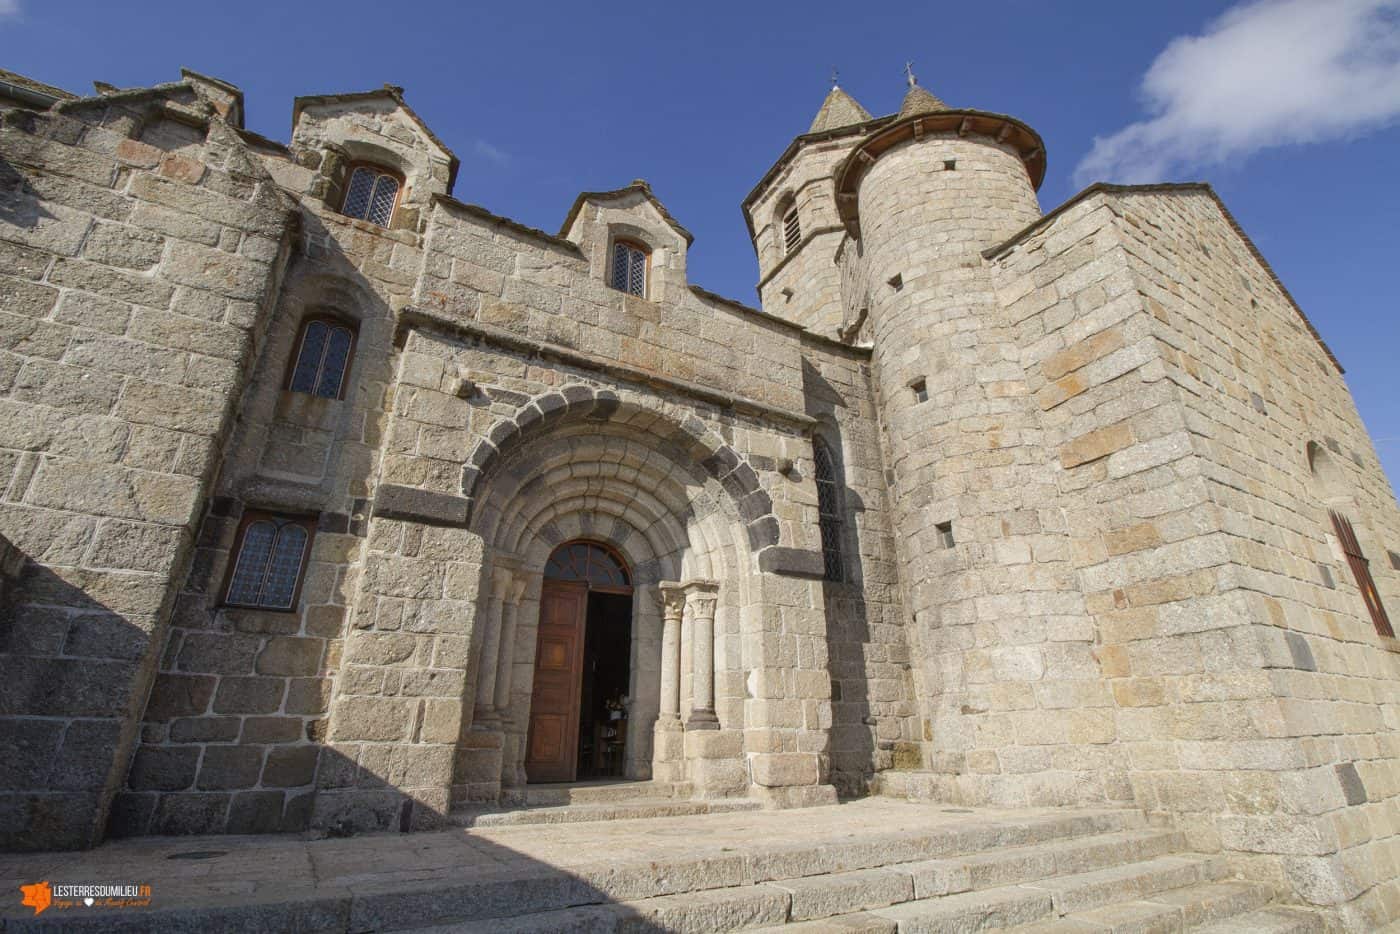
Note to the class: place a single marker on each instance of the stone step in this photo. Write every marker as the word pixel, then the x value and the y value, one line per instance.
pixel 1012 865
pixel 1276 919
pixel 832 898
pixel 618 810
pixel 601 792
pixel 1046 900
pixel 1083 891
pixel 638 890
pixel 1184 909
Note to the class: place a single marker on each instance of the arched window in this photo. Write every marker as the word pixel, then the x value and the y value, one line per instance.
pixel 600 567
pixel 269 557
pixel 828 510
pixel 323 358
pixel 629 268
pixel 371 194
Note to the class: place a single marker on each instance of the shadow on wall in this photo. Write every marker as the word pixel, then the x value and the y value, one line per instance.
pixel 60 733
pixel 68 663
pixel 854 758
pixel 20 204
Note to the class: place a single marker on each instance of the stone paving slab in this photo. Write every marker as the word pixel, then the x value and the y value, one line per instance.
pixel 380 882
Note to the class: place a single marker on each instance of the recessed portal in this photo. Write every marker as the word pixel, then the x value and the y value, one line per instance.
pixel 579 703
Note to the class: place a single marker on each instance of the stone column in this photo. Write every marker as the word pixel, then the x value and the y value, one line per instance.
pixel 505 663
pixel 701 597
pixel 486 716
pixel 671 596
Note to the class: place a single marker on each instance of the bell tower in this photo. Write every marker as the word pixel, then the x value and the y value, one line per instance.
pixel 793 219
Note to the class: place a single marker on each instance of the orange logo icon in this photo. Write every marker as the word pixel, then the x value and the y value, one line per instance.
pixel 37 896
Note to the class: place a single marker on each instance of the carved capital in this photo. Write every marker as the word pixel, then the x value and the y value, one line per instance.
pixel 501 580
pixel 701 596
pixel 671 596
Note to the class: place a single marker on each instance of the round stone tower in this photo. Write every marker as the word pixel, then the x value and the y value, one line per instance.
pixel 923 196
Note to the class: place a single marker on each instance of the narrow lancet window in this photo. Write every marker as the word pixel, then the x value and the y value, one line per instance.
pixel 1361 570
pixel 269 557
pixel 323 358
pixel 828 511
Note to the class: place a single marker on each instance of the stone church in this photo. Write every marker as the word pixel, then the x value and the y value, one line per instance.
pixel 330 502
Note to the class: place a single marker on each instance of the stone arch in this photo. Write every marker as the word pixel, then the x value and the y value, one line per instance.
pixel 689 442
pixel 659 488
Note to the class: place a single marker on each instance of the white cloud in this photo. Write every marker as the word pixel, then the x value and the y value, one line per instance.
pixel 9 9
pixel 1266 73
pixel 483 149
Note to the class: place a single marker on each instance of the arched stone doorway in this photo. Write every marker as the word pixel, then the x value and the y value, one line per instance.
pixel 583 682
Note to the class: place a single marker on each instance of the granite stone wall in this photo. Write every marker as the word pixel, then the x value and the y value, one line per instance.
pixel 141 253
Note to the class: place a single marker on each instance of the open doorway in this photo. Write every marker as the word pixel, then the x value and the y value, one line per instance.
pixel 579 704
pixel 607 651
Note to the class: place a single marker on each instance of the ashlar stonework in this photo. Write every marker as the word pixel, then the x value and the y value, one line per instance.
pixel 1073 543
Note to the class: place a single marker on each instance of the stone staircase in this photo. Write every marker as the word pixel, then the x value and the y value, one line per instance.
pixel 1064 872
pixel 599 801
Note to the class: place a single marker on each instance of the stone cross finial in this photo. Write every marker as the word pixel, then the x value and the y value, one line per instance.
pixel 909 74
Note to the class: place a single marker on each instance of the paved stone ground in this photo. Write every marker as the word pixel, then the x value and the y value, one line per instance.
pixel 273 868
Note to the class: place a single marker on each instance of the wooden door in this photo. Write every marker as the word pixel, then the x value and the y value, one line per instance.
pixel 551 750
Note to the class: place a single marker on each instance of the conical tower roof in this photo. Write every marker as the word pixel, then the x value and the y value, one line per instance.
pixel 919 101
pixel 838 110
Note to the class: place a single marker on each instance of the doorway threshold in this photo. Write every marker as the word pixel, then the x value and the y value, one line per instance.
pixel 575 802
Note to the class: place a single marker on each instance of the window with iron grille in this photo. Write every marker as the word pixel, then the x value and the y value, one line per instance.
pixel 371 194
pixel 1361 570
pixel 828 510
pixel 629 268
pixel 269 557
pixel 792 229
pixel 323 358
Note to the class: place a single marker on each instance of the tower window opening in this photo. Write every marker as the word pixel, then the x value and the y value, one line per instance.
pixel 792 229
pixel 629 268
pixel 945 534
pixel 828 511
pixel 371 195
pixel 920 390
pixel 950 165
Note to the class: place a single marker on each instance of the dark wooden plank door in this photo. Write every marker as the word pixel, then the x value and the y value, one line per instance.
pixel 551 753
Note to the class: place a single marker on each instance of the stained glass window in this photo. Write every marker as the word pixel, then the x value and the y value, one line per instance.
pixel 270 556
pixel 586 561
pixel 371 195
pixel 323 358
pixel 828 510
pixel 629 268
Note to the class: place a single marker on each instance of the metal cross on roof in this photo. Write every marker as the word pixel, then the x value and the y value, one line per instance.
pixel 834 75
pixel 909 74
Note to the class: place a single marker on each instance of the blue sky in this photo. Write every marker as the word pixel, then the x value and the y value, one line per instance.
pixel 1288 107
